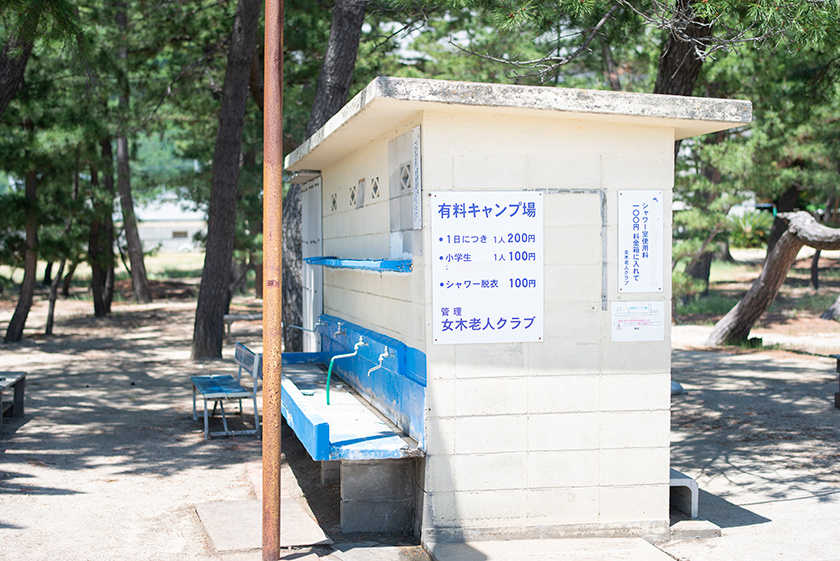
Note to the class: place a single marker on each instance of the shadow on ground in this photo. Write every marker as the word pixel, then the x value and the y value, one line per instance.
pixel 765 420
pixel 111 391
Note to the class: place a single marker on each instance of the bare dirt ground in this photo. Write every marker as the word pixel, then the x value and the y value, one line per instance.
pixel 758 430
pixel 108 463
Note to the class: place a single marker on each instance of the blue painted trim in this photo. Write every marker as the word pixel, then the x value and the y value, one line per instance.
pixel 311 429
pixel 306 358
pixel 398 389
pixel 390 265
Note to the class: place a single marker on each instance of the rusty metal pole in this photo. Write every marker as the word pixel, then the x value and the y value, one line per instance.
pixel 272 275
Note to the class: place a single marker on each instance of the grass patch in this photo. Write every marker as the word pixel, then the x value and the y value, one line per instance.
pixel 726 271
pixel 714 305
pixel 814 303
pixel 159 267
pixel 176 273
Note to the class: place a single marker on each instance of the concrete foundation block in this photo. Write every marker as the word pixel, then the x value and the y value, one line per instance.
pixel 330 472
pixel 378 496
pixel 377 480
pixel 684 493
pixel 694 529
pixel 380 517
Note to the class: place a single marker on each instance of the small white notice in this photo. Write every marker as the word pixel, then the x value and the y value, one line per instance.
pixel 487 267
pixel 640 241
pixel 637 321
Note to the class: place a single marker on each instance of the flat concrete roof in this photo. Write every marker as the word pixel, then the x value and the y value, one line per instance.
pixel 389 101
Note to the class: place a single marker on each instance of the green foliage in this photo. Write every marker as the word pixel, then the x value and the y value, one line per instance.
pixel 751 229
pixel 56 21
pixel 685 288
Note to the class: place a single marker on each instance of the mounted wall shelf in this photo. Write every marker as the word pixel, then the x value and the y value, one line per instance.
pixel 389 265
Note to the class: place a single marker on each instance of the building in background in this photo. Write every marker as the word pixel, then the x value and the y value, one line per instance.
pixel 169 225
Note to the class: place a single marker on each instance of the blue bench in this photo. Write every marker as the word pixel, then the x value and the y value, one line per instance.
pixel 230 318
pixel 837 394
pixel 223 387
pixel 373 427
pixel 15 381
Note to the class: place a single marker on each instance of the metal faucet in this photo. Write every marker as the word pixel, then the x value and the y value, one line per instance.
pixel 356 348
pixel 382 357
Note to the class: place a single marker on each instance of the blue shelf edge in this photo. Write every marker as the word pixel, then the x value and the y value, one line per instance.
pixel 391 265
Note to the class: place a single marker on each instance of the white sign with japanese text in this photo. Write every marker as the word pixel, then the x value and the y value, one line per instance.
pixel 487 270
pixel 638 321
pixel 640 241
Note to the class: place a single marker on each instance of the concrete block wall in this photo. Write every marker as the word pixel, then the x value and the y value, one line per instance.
pixel 569 436
pixel 390 303
pixel 565 437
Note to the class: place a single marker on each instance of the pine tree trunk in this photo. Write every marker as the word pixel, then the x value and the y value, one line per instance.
pixel 139 280
pixel 833 311
pixel 802 229
pixel 14 332
pixel 47 274
pixel 95 250
pixel 68 279
pixel 339 61
pixel 827 218
pixel 815 270
pixel 785 203
pixel 13 67
pixel 701 269
pixel 107 242
pixel 214 293
pixel 53 297
pixel 331 94
pixel 292 270
pixel 681 61
pixel 736 325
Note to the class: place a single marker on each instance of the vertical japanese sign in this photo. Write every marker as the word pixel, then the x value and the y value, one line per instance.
pixel 417 183
pixel 487 267
pixel 640 241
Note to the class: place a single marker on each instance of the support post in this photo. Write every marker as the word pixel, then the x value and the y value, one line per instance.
pixel 272 275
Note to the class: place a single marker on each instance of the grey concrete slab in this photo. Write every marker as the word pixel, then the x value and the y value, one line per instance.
pixel 375 551
pixel 578 549
pixel 693 529
pixel 285 555
pixel 237 525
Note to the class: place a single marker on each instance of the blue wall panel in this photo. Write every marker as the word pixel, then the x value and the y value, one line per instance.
pixel 398 389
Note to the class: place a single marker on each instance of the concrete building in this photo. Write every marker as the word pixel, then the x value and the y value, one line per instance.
pixel 535 224
pixel 169 225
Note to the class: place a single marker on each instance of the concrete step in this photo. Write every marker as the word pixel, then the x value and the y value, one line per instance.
pixel 577 549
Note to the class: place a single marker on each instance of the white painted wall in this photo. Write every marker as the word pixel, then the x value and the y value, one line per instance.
pixel 390 303
pixel 569 436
